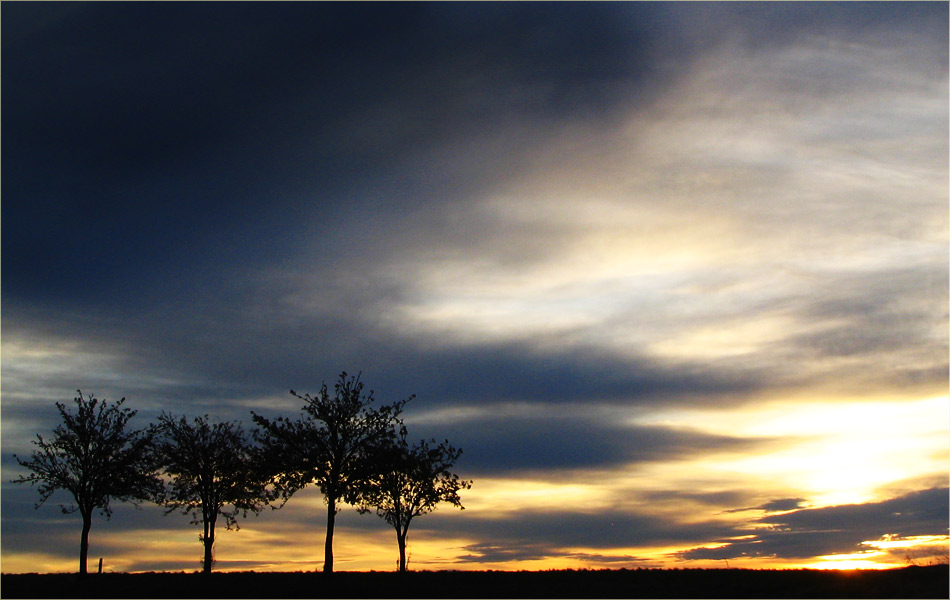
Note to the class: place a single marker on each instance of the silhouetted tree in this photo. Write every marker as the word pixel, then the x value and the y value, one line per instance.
pixel 410 481
pixel 213 473
pixel 96 459
pixel 330 445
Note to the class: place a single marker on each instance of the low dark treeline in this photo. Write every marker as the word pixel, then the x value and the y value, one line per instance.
pixel 909 582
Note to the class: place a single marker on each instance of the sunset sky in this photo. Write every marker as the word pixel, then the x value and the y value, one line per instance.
pixel 674 276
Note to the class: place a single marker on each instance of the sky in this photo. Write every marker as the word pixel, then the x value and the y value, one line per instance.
pixel 674 276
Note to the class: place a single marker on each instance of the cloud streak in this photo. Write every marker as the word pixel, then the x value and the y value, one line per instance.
pixel 837 529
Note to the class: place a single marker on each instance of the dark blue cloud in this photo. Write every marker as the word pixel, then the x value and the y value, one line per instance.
pixel 537 535
pixel 783 504
pixel 564 439
pixel 137 136
pixel 801 534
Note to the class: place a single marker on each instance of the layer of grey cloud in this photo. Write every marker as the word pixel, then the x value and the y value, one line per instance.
pixel 780 504
pixel 559 438
pixel 800 534
pixel 838 529
pixel 555 530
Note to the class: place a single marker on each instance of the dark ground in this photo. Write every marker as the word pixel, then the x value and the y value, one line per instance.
pixel 910 582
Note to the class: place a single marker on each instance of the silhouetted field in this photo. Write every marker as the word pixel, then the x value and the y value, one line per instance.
pixel 910 582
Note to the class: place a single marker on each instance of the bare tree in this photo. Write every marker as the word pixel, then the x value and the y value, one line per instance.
pixel 330 446
pixel 213 473
pixel 96 459
pixel 411 481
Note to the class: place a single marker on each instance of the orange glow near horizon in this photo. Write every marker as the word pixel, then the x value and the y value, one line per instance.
pixel 268 545
pixel 258 551
pixel 826 453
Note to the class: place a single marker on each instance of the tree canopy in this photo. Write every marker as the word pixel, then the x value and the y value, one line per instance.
pixel 94 457
pixel 411 481
pixel 213 473
pixel 331 445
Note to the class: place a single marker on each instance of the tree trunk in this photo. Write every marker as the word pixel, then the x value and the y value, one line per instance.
pixel 328 547
pixel 401 540
pixel 84 541
pixel 209 544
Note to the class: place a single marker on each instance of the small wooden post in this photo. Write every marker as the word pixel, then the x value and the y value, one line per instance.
pixel 100 565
